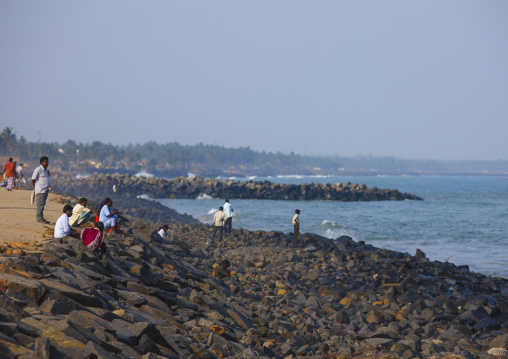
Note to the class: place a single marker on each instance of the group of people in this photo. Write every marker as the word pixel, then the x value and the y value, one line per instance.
pixel 107 219
pixel 12 175
pixel 93 238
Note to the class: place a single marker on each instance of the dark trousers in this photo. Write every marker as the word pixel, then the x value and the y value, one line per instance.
pixel 215 229
pixel 75 235
pixel 227 225
pixel 41 202
pixel 295 234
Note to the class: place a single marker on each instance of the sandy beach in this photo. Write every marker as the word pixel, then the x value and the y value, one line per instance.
pixel 18 223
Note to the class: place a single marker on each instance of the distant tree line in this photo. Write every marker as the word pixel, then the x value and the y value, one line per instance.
pixel 176 159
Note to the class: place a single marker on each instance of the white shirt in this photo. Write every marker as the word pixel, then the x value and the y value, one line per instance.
pixel 62 227
pixel 41 177
pixel 228 209
pixel 105 212
pixel 162 233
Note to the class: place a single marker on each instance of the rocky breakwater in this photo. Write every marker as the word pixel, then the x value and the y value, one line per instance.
pixel 193 187
pixel 156 298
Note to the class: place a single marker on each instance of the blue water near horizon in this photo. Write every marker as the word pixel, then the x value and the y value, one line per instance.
pixel 463 219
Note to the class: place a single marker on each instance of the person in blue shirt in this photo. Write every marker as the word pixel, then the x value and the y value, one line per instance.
pixel 107 217
pixel 228 210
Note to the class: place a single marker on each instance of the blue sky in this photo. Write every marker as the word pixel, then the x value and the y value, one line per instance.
pixel 383 78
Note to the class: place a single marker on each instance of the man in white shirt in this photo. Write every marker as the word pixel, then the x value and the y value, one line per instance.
pixel 40 181
pixel 296 226
pixel 62 227
pixel 228 210
pixel 19 170
pixel 162 231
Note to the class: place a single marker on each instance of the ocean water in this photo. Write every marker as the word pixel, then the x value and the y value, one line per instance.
pixel 463 220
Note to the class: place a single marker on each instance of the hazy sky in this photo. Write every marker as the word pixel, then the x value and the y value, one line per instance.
pixel 412 79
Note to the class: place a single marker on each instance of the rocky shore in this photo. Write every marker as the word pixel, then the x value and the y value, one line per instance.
pixel 193 187
pixel 156 298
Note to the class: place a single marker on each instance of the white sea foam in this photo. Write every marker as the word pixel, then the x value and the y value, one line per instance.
pixel 143 174
pixel 212 211
pixel 82 176
pixel 232 178
pixel 190 174
pixel 290 176
pixel 204 196
pixel 252 177
pixel 144 196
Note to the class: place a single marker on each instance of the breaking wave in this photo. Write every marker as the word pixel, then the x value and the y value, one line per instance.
pixel 204 196
pixel 143 174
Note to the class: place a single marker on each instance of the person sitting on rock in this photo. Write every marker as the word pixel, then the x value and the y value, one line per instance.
pixel 159 233
pixel 80 214
pixel 222 271
pixel 62 227
pixel 162 231
pixel 108 218
pixel 93 239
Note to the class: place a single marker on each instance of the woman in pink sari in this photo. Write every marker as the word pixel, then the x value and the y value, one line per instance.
pixel 93 239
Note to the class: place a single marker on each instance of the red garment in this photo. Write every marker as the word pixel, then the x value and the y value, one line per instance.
pixel 10 169
pixel 93 239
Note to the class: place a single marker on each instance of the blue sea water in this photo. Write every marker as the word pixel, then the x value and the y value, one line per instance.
pixel 463 220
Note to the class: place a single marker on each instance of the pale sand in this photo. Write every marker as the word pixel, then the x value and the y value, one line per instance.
pixel 17 218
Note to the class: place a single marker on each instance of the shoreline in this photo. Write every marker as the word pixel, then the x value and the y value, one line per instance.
pixel 318 299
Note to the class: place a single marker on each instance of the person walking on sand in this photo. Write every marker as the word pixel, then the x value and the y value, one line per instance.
pixel 296 226
pixel 19 170
pixel 10 174
pixel 218 223
pixel 228 210
pixel 62 227
pixel 40 182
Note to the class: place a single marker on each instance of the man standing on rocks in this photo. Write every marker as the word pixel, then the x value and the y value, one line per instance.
pixel 218 223
pixel 228 210
pixel 40 181
pixel 296 226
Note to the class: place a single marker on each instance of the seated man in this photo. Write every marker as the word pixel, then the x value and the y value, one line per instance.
pixel 62 227
pixel 162 230
pixel 80 214
pixel 159 233
pixel 108 218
